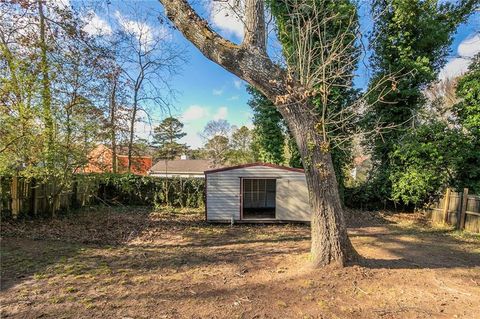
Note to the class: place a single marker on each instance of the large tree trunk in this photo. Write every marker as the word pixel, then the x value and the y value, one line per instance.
pixel 330 242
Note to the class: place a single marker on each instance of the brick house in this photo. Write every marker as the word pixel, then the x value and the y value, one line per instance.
pixel 100 161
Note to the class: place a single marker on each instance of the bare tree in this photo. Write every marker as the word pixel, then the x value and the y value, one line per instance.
pixel 216 128
pixel 148 62
pixel 113 109
pixel 441 97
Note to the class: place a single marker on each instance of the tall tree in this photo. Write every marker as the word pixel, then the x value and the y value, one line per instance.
pixel 216 127
pixel 340 96
pixel 113 108
pixel 50 103
pixel 410 39
pixel 291 90
pixel 241 146
pixel 149 62
pixel 166 138
pixel 218 150
pixel 268 135
pixel 467 111
pixel 47 113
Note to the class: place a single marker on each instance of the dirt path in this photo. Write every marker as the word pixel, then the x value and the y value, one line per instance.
pixel 139 264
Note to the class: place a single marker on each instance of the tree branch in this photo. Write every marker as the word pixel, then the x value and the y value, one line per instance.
pixel 250 65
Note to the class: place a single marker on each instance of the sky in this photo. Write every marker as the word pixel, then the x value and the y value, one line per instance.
pixel 205 91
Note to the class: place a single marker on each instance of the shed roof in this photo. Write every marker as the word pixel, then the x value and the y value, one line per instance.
pixel 300 170
pixel 181 166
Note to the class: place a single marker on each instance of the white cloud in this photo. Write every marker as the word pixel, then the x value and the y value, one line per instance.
pixel 194 112
pixel 227 19
pixel 454 68
pixel 459 65
pixel 233 98
pixel 96 25
pixel 470 46
pixel 221 114
pixel 237 83
pixel 143 128
pixel 147 34
pixel 217 91
pixel 192 138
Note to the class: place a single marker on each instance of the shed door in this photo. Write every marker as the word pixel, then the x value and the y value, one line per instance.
pixel 292 200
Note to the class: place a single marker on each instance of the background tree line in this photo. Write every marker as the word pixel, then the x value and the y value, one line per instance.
pixel 64 90
pixel 416 151
pixel 65 87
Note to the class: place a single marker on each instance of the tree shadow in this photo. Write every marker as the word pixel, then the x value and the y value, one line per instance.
pixel 409 249
pixel 168 242
pixel 23 258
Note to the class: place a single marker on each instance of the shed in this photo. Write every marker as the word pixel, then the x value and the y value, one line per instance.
pixel 256 192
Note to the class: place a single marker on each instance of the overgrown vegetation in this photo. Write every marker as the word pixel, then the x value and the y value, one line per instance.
pixel 104 189
pixel 410 40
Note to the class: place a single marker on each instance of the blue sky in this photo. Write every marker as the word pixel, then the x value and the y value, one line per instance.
pixel 206 91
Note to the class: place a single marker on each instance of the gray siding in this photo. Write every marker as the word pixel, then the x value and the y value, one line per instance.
pixel 223 191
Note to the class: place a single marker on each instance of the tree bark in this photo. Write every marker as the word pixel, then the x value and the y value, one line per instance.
pixel 255 25
pixel 250 65
pixel 330 242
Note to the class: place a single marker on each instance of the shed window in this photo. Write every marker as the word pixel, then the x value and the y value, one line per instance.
pixel 259 198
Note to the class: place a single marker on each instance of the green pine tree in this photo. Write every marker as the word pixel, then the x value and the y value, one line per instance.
pixel 166 139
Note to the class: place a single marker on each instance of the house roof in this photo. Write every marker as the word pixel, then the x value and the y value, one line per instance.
pixel 301 170
pixel 181 166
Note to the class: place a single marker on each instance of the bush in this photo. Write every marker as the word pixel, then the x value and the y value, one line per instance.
pixel 426 161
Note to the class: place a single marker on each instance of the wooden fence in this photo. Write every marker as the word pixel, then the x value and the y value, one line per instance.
pixel 461 210
pixel 21 197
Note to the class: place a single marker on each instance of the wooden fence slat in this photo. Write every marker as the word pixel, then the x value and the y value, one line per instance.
pixel 472 213
pixel 463 209
pixel 446 206
pixel 14 194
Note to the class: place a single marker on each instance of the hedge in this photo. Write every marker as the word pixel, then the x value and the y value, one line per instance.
pixel 129 189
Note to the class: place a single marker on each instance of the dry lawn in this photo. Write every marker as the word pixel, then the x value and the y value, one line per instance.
pixel 137 263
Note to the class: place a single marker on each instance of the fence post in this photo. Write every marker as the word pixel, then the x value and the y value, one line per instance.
pixel 15 197
pixel 463 208
pixel 73 202
pixel 33 198
pixel 446 206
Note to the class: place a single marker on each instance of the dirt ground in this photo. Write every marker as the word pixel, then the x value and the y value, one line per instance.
pixel 138 263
